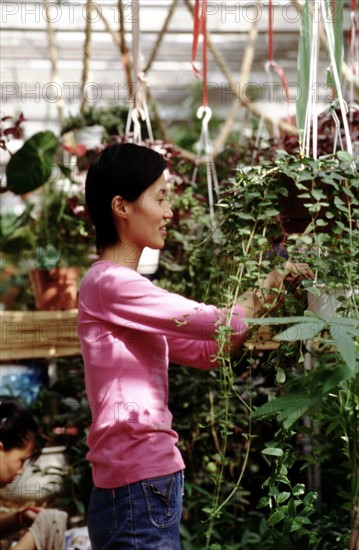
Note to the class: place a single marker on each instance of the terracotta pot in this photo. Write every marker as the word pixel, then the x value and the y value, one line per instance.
pixel 55 289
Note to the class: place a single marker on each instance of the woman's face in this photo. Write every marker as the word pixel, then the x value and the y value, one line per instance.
pixel 12 461
pixel 149 216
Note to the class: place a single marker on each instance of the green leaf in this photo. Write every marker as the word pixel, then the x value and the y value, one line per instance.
pixel 31 166
pixel 341 373
pixel 289 408
pixel 340 204
pixel 280 376
pixel 345 345
pixel 272 451
pixel 263 502
pixel 282 497
pixel 318 194
pixel 302 331
pixel 321 223
pixel 276 517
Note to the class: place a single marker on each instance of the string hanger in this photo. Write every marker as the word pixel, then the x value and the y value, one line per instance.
pixel 139 111
pixel 310 137
pixel 204 112
pixel 273 65
pixel 353 57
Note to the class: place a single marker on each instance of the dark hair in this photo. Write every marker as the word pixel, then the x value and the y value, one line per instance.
pixel 16 427
pixel 123 169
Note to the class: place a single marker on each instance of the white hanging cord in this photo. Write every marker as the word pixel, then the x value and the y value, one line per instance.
pixel 135 116
pixel 311 117
pixel 337 135
pixel 140 109
pixel 268 67
pixel 259 135
pixel 353 59
pixel 205 147
pixel 143 83
pixel 330 37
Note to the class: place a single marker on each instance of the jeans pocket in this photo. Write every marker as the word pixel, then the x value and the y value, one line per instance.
pixel 163 500
pixel 101 517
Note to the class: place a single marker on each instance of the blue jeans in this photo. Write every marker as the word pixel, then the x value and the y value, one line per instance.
pixel 140 516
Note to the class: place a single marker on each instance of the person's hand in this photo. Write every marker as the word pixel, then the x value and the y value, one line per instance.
pixel 28 515
pixel 291 276
pixel 256 302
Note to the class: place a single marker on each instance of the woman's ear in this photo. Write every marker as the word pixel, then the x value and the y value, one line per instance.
pixel 119 206
pixel 1 446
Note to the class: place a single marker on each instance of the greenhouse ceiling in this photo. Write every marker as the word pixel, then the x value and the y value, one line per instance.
pixel 43 48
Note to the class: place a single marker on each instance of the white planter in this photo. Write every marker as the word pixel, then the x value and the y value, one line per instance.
pixel 149 261
pixel 326 303
pixel 90 136
pixel 32 485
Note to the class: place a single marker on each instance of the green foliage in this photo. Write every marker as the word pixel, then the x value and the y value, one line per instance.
pixel 31 166
pixel 112 118
pixel 64 418
pixel 280 415
pixel 270 438
pixel 309 376
pixel 15 233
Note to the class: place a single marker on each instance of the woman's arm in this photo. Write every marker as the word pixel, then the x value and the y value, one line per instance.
pixel 9 523
pixel 25 543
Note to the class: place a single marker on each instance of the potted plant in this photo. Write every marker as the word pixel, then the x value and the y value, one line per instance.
pixel 312 363
pixel 95 125
pixel 57 220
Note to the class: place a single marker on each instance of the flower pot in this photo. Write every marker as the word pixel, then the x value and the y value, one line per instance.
pixel 55 289
pixel 149 261
pixel 90 136
pixel 39 480
pixel 326 303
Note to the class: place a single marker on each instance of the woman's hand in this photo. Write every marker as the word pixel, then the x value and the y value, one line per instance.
pixel 257 302
pixel 28 515
pixel 292 274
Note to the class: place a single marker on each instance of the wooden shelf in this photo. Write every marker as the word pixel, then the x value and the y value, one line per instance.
pixel 38 334
pixel 50 334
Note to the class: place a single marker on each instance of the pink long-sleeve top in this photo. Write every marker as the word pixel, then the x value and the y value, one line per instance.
pixel 129 331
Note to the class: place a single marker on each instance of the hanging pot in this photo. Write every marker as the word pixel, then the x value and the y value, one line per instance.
pixel 55 289
pixel 149 261
pixel 90 136
pixel 326 303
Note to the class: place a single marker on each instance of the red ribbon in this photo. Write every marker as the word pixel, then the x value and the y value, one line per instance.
pixel 200 28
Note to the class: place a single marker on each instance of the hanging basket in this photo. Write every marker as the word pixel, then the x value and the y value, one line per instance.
pixel 90 136
pixel 149 261
pixel 55 289
pixel 327 302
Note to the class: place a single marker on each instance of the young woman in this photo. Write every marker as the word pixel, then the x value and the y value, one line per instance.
pixel 129 331
pixel 18 443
